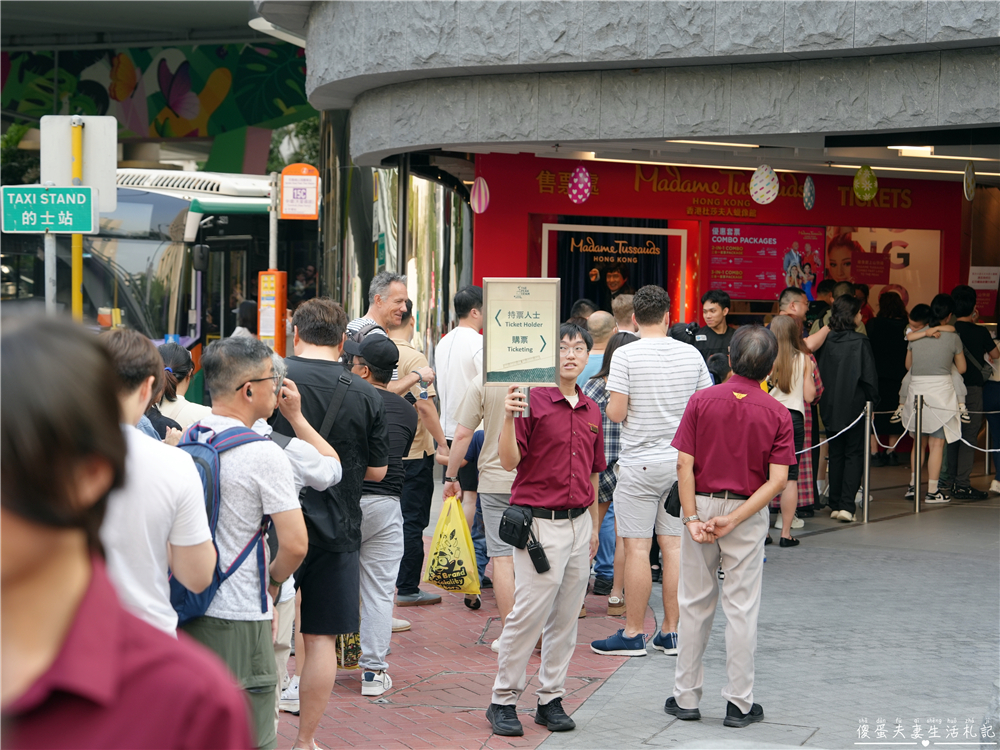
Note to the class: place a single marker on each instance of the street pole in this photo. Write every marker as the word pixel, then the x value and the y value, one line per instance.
pixel 272 248
pixel 866 478
pixel 50 273
pixel 919 461
pixel 76 278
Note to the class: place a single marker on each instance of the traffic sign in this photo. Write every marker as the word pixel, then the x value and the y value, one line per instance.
pixel 100 155
pixel 60 210
pixel 299 192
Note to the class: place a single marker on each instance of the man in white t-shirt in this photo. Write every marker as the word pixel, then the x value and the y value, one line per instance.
pixel 458 362
pixel 387 297
pixel 255 480
pixel 160 507
pixel 649 385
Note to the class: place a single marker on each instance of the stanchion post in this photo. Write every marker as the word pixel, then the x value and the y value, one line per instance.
pixel 987 454
pixel 918 451
pixel 866 477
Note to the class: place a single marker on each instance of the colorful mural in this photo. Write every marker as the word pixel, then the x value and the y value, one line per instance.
pixel 163 92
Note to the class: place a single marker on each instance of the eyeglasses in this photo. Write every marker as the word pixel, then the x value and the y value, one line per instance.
pixel 577 350
pixel 275 378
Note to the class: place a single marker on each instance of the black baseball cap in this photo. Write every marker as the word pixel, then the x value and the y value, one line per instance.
pixel 378 351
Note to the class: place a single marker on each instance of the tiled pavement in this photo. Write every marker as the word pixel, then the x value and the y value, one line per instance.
pixel 899 619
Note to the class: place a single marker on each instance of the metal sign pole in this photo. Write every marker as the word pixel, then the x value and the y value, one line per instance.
pixel 866 477
pixel 272 248
pixel 919 452
pixel 50 273
pixel 76 279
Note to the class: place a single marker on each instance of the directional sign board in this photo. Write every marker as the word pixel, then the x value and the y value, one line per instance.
pixel 60 210
pixel 299 192
pixel 521 330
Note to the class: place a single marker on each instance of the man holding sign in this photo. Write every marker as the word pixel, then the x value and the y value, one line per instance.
pixel 558 451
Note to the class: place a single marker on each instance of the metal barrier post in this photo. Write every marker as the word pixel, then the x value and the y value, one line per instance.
pixel 987 454
pixel 866 477
pixel 919 452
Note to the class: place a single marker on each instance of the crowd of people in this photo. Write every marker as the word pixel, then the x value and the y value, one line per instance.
pixel 300 496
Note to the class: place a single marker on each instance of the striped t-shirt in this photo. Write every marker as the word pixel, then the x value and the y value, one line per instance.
pixel 658 375
pixel 358 323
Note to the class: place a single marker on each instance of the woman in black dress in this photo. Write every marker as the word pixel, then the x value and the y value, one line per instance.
pixel 887 332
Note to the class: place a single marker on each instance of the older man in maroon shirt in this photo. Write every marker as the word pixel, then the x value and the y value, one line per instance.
pixel 725 486
pixel 558 452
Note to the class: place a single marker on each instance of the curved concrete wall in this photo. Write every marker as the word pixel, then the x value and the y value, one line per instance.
pixel 438 72
pixel 842 95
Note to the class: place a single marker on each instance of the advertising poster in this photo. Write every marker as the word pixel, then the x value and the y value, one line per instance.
pixel 756 261
pixel 908 261
pixel 985 280
pixel 601 264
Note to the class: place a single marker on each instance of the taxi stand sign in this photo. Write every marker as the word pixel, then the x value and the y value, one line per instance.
pixel 35 209
pixel 521 332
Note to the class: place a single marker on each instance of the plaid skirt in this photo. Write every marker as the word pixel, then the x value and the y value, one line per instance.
pixel 807 488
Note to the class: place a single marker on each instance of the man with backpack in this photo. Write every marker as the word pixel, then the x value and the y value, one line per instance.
pixel 254 482
pixel 350 415
pixel 161 507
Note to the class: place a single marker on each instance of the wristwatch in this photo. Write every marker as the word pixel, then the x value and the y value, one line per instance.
pixel 686 519
pixel 451 479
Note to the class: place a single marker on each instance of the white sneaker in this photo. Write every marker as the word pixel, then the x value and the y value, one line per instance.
pixel 373 683
pixel 399 625
pixel 797 523
pixel 995 487
pixel 495 646
pixel 846 516
pixel 289 702
pixel 897 416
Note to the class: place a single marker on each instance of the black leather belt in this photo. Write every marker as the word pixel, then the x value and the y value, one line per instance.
pixel 726 495
pixel 556 515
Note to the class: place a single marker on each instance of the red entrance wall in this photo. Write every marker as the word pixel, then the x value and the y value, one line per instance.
pixel 525 192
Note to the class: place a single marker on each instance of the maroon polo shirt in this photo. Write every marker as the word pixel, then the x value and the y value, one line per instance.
pixel 561 446
pixel 734 430
pixel 118 682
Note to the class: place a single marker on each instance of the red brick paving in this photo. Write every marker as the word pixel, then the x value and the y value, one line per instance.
pixel 442 673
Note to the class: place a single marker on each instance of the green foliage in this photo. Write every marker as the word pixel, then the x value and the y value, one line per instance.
pixel 17 167
pixel 305 135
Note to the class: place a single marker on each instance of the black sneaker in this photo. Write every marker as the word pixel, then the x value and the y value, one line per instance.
pixel 553 717
pixel 485 583
pixel 602 586
pixel 969 493
pixel 736 718
pixel 504 720
pixel 684 714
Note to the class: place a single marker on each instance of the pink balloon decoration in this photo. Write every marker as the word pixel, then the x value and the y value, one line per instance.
pixel 579 185
pixel 479 196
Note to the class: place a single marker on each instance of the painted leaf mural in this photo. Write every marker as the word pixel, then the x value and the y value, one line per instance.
pixel 163 92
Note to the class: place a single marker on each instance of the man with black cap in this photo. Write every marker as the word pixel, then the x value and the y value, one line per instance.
pixel 373 360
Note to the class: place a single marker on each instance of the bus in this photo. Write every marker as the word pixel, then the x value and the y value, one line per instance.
pixel 174 260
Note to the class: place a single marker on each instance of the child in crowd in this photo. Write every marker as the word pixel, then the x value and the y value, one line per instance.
pixel 919 319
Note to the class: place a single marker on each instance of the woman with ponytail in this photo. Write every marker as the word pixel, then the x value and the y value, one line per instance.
pixel 179 368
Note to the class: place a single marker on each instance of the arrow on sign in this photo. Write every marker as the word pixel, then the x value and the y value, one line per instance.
pixel 497 317
pixel 543 344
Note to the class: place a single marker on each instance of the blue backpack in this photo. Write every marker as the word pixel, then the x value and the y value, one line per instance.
pixel 205 455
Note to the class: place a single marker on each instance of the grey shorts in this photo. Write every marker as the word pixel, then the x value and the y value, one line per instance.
pixel 493 507
pixel 639 497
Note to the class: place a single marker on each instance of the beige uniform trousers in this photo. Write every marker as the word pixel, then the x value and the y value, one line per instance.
pixel 285 613
pixel 549 600
pixel 741 554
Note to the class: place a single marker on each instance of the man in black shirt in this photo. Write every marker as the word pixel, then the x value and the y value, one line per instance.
pixel 373 360
pixel 977 341
pixel 355 427
pixel 714 336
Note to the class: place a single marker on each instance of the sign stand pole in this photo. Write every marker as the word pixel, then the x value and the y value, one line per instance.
pixel 50 273
pixel 76 283
pixel 272 251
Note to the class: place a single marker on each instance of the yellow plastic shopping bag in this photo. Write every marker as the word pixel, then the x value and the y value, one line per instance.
pixel 451 564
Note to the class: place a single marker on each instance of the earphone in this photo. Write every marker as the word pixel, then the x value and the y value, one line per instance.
pixel 249 392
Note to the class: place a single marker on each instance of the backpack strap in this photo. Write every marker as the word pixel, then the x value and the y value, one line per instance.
pixel 339 392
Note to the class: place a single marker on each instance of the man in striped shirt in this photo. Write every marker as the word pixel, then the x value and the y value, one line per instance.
pixel 649 385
